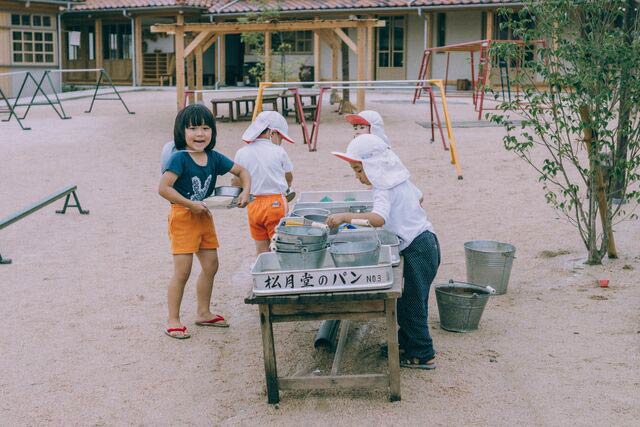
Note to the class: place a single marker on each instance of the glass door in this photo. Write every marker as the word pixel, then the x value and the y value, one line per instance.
pixel 390 49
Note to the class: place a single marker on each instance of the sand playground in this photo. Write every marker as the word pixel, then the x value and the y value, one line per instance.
pixel 84 302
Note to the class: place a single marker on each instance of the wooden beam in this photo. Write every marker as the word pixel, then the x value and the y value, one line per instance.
pixel 345 38
pixel 191 76
pixel 370 64
pixel 267 56
pixel 316 56
pixel 335 50
pixel 199 72
pixel 99 61
pixel 223 60
pixel 179 44
pixel 489 34
pixel 210 42
pixel 197 41
pixel 362 66
pixel 137 23
pixel 236 27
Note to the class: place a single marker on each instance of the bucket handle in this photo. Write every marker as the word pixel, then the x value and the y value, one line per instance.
pixel 487 288
pixel 366 223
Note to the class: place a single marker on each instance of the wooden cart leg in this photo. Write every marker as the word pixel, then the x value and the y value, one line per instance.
pixel 393 353
pixel 268 348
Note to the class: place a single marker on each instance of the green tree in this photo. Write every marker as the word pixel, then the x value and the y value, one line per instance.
pixel 585 116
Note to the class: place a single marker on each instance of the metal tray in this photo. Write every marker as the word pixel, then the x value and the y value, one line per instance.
pixel 352 196
pixel 386 237
pixel 269 279
pixel 332 207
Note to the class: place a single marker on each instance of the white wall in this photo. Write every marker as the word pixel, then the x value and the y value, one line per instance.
pixel 415 45
pixel 461 27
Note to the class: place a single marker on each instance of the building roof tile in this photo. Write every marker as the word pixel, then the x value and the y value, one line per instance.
pixel 223 7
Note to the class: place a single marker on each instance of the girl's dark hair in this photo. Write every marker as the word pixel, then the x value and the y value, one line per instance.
pixel 193 115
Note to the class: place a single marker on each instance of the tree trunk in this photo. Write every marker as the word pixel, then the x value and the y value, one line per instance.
pixel 619 168
pixel 596 193
pixel 346 107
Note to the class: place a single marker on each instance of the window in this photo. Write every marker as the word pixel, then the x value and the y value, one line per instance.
pixel 441 27
pixel 292 42
pixel 117 41
pixel 391 42
pixel 504 32
pixel 31 43
pixel 31 21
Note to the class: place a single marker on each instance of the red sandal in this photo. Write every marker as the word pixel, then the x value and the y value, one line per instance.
pixel 170 332
pixel 217 321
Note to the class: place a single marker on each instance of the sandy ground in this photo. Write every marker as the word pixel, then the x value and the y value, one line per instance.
pixel 84 307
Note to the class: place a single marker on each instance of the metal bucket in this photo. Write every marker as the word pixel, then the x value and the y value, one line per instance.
pixel 489 263
pixel 301 234
pixel 460 305
pixel 297 247
pixel 301 260
pixel 310 211
pixel 355 254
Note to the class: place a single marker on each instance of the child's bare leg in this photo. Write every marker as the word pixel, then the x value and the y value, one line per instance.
pixel 209 261
pixel 262 246
pixel 181 271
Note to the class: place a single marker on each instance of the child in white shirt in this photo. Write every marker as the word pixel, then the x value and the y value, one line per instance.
pixel 397 208
pixel 271 174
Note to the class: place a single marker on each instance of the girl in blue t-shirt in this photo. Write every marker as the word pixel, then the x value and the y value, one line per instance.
pixel 188 178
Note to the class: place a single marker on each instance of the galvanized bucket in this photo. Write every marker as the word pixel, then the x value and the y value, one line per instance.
pixel 301 260
pixel 489 263
pixel 460 305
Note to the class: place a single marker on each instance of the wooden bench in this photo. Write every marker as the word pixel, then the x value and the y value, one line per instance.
pixel 361 305
pixel 68 191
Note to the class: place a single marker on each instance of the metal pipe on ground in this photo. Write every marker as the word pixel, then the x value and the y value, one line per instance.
pixel 327 334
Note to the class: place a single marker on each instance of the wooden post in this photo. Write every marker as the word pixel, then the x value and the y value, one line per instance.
pixel 99 62
pixel 222 72
pixel 179 42
pixel 267 56
pixel 362 66
pixel 370 63
pixel 393 354
pixel 191 72
pixel 489 25
pixel 138 40
pixel 316 56
pixel 430 30
pixel 199 71
pixel 335 49
pixel 269 353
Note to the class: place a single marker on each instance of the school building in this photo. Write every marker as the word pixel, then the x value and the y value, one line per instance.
pixel 115 35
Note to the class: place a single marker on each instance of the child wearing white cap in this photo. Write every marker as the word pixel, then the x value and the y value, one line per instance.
pixel 271 174
pixel 367 122
pixel 397 208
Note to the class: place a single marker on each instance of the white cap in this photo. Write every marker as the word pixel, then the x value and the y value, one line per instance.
pixel 267 120
pixel 369 118
pixel 381 165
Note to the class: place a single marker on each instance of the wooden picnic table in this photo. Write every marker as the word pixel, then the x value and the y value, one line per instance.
pixel 249 102
pixel 222 100
pixel 345 306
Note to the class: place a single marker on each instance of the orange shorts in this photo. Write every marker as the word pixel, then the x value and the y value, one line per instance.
pixel 190 232
pixel 265 212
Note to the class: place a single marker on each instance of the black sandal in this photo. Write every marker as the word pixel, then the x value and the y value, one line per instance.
pixel 384 350
pixel 418 363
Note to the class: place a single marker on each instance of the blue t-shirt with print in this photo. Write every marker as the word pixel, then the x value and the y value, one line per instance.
pixel 197 182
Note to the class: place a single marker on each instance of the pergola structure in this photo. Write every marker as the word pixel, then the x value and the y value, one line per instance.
pixel 330 31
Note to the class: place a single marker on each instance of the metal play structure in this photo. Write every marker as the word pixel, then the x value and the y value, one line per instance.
pixel 45 82
pixel 481 80
pixel 68 191
pixel 311 138
pixel 5 101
